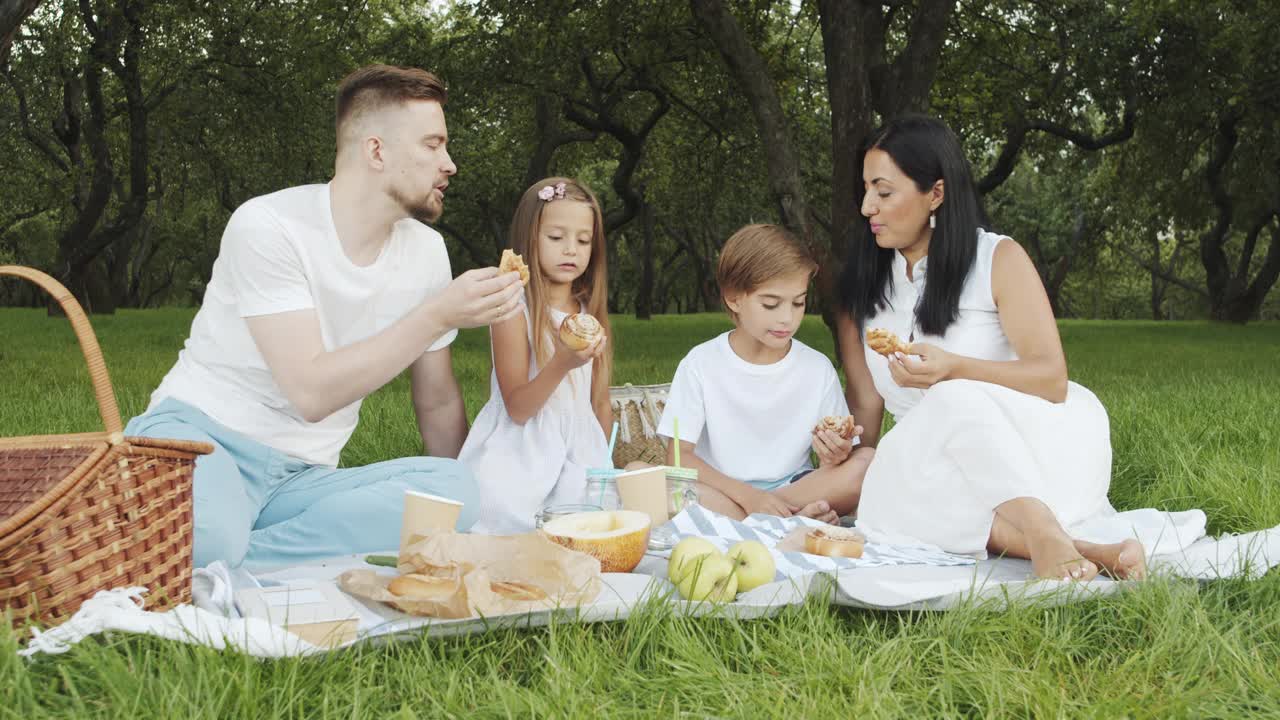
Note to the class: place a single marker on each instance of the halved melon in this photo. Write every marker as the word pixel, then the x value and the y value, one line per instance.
pixel 617 538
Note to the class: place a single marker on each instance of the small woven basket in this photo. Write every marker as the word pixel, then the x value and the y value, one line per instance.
pixel 638 408
pixel 92 511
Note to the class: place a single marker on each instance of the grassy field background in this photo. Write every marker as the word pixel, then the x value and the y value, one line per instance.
pixel 1195 410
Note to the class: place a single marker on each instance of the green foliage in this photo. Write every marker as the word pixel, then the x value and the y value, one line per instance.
pixel 239 103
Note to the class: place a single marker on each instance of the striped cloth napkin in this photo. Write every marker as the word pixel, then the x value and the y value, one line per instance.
pixel 697 521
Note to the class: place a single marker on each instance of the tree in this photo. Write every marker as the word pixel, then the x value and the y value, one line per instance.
pixel 1210 156
pixel 12 13
pixel 881 62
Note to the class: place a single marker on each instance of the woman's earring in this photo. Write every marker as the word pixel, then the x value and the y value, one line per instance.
pixel 933 221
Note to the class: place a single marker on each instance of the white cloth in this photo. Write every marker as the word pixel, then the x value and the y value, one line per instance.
pixel 963 447
pixel 723 532
pixel 121 609
pixel 995 583
pixel 522 468
pixel 751 422
pixel 281 253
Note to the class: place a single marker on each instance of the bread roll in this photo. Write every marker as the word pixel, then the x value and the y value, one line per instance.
pixel 579 330
pixel 512 262
pixel 834 542
pixel 842 425
pixel 421 586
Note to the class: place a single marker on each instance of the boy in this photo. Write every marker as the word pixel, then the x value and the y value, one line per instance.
pixel 748 400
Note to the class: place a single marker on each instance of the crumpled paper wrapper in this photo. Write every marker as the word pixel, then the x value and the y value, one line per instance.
pixel 484 575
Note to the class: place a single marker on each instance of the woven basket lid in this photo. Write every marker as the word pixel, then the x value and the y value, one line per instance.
pixel 30 478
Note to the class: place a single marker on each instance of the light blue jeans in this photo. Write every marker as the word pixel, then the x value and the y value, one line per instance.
pixel 780 482
pixel 260 508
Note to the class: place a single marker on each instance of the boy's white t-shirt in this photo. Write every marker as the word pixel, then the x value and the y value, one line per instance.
pixel 281 253
pixel 752 422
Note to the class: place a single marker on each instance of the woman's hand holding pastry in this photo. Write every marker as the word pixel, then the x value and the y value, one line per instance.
pixel 926 366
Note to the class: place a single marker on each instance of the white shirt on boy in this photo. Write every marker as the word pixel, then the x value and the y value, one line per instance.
pixel 751 422
pixel 281 253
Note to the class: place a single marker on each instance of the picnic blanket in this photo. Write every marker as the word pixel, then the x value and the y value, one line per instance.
pixel 902 582
pixel 721 531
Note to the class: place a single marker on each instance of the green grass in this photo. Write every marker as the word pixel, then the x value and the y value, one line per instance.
pixel 1194 410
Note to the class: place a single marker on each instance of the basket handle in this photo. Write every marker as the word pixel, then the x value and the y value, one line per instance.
pixel 107 407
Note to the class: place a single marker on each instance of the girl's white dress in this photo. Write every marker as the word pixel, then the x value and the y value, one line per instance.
pixel 520 469
pixel 963 447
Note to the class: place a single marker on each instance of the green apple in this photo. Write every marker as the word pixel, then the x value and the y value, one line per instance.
pixel 684 551
pixel 709 578
pixel 753 564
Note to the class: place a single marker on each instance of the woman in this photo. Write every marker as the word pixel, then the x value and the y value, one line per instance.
pixel 993 448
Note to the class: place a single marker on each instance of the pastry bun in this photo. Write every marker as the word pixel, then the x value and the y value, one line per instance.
pixel 579 330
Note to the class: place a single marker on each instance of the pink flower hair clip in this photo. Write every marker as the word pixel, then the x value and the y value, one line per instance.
pixel 552 192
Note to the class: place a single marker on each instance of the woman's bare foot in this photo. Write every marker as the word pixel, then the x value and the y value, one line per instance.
pixel 1054 557
pixel 1125 560
pixel 821 511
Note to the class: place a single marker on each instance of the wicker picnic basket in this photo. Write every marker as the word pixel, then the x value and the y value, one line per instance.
pixel 638 408
pixel 91 511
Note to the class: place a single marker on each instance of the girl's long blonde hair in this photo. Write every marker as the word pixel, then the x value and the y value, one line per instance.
pixel 591 289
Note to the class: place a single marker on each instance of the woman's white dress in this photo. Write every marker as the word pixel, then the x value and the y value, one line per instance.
pixel 963 447
pixel 520 469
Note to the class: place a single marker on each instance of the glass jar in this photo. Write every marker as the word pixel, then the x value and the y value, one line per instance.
pixel 551 512
pixel 682 489
pixel 602 488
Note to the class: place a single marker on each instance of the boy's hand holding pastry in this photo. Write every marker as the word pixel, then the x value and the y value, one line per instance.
pixel 833 439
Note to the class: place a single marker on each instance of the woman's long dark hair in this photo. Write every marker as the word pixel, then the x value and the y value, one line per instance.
pixel 925 150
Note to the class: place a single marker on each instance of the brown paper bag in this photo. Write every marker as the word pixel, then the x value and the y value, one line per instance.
pixel 484 575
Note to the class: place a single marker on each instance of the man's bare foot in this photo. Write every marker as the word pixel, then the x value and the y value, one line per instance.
pixel 821 511
pixel 1125 560
pixel 1054 557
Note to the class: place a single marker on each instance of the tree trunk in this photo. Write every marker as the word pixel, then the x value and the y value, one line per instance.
pixel 644 290
pixel 1158 285
pixel 1232 296
pixel 116 36
pixel 751 73
pixel 852 42
pixel 12 13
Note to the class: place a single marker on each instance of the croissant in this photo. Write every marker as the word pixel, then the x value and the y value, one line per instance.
pixel 885 342
pixel 579 330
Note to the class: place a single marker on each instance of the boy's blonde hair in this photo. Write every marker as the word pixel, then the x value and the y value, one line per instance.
pixel 756 254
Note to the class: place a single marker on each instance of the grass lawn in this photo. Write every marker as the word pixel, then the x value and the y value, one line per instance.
pixel 1195 410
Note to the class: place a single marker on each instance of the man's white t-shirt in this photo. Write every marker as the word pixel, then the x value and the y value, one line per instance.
pixel 751 422
pixel 281 253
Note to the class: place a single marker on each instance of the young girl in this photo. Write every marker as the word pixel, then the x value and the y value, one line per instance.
pixel 548 408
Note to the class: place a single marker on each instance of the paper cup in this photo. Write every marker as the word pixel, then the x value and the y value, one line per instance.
pixel 645 491
pixel 426 514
